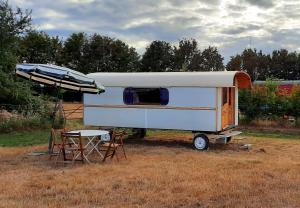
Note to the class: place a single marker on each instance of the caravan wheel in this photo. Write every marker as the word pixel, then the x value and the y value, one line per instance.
pixel 228 139
pixel 200 142
pixel 138 133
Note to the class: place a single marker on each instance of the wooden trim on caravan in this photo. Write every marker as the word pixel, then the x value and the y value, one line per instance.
pixel 217 109
pixel 151 107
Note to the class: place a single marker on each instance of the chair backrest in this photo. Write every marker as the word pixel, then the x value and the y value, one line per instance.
pixel 117 137
pixel 71 137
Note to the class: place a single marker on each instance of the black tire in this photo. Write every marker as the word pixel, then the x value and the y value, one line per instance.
pixel 201 142
pixel 139 133
pixel 228 139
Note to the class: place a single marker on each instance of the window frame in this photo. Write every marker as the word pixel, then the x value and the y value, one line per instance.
pixel 129 99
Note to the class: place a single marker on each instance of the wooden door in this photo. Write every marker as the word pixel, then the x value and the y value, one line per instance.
pixel 228 107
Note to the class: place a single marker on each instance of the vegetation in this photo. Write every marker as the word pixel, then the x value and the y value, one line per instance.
pixel 24 123
pixel 281 64
pixel 97 53
pixel 271 135
pixel 28 138
pixel 268 103
pixel 13 25
pixel 162 171
pixel 38 47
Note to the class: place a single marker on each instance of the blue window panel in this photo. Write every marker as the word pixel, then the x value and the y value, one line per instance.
pixel 128 96
pixel 164 96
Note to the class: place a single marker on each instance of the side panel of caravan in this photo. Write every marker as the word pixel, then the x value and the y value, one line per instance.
pixel 188 108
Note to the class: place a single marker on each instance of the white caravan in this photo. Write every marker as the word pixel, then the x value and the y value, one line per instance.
pixel 205 103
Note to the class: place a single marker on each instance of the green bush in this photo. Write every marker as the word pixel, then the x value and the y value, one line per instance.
pixel 24 124
pixel 267 103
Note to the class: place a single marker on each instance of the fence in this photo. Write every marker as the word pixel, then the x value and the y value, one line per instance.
pixel 73 110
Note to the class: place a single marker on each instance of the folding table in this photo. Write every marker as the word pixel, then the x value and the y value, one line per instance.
pixel 94 138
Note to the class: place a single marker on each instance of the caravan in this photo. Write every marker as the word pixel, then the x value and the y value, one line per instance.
pixel 205 103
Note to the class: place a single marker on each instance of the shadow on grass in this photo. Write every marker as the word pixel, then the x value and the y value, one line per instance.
pixel 181 144
pixel 150 141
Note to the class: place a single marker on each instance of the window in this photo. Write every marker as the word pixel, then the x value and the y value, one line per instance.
pixel 146 96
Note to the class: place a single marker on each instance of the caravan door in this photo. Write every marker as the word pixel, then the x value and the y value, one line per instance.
pixel 228 105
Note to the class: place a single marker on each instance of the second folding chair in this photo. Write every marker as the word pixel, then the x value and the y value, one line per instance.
pixel 115 144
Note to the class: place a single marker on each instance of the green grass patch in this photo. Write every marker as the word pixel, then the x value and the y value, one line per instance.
pixel 252 133
pixel 271 135
pixel 24 138
pixel 30 138
pixel 157 132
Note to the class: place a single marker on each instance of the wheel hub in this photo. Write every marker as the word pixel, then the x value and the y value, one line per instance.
pixel 200 143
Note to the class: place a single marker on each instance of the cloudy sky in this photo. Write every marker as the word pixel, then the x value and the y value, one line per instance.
pixel 231 25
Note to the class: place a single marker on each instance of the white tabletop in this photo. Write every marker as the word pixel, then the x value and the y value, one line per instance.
pixel 90 133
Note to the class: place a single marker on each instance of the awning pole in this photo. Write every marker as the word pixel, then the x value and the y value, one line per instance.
pixel 50 146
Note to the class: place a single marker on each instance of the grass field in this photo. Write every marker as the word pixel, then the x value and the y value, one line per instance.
pixel 161 171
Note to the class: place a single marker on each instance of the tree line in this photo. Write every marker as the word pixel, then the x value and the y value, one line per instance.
pixel 280 64
pixel 97 53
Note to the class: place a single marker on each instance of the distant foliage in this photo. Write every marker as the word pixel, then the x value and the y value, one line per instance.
pixel 98 53
pixel 13 24
pixel 280 64
pixel 38 47
pixel 13 91
pixel 24 122
pixel 266 102
pixel 162 56
pixel 158 57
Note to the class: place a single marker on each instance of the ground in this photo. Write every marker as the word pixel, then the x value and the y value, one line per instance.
pixel 162 171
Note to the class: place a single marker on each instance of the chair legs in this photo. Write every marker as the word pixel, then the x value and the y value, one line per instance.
pixel 112 152
pixel 123 150
pixel 107 154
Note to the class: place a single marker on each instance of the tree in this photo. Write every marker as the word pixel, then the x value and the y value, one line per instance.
pixel 72 54
pixel 12 25
pixel 280 64
pixel 104 54
pixel 98 54
pixel 184 54
pixel 248 61
pixel 211 60
pixel 235 63
pixel 263 66
pixel 249 64
pixel 158 57
pixel 187 57
pixel 38 47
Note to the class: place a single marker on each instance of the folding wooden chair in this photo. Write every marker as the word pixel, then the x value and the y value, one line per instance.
pixel 72 148
pixel 56 141
pixel 111 147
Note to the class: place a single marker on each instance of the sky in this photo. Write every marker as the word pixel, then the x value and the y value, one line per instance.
pixel 230 25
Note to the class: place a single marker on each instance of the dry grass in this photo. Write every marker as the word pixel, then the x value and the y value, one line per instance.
pixel 160 172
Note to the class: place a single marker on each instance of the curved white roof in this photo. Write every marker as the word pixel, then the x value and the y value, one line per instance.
pixel 173 79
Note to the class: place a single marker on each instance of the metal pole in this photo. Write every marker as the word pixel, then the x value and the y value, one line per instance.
pixel 50 149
